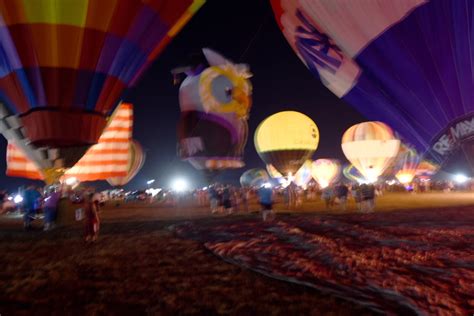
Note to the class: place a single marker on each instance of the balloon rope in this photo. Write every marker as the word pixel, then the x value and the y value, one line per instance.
pixel 254 37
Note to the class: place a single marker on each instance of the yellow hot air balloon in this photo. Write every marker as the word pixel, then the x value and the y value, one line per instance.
pixel 325 171
pixel 370 147
pixel 286 140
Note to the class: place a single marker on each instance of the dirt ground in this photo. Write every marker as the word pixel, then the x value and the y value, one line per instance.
pixel 139 267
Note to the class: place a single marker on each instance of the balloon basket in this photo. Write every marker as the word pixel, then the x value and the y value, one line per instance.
pixel 69 214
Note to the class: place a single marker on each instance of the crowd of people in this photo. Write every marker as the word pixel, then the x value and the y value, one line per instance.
pixel 45 201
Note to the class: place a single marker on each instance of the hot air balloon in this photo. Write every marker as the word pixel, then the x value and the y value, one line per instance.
pixel 215 102
pixel 351 173
pixel 286 140
pixel 426 169
pixel 304 174
pixel 108 158
pixel 370 147
pixel 65 64
pixel 409 64
pixel 254 178
pixel 406 162
pixel 325 171
pixel 135 163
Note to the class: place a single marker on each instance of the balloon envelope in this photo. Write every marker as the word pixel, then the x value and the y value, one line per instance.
pixel 407 162
pixel 286 140
pixel 409 64
pixel 215 101
pixel 325 171
pixel 135 163
pixel 65 64
pixel 254 178
pixel 370 147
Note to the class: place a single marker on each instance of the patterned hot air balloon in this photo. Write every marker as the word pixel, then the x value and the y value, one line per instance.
pixel 65 64
pixel 351 173
pixel 370 147
pixel 303 175
pixel 135 163
pixel 325 171
pixel 110 157
pixel 215 101
pixel 406 164
pixel 254 178
pixel 286 140
pixel 407 63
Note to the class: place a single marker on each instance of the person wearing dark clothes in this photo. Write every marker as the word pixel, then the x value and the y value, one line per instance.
pixel 341 194
pixel 30 201
pixel 368 197
pixel 226 199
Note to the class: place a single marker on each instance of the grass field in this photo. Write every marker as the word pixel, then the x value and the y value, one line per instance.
pixel 139 267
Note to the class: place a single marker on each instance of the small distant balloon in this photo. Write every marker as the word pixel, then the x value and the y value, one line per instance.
pixel 325 171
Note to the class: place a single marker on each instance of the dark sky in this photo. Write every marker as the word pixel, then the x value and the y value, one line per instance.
pixel 244 31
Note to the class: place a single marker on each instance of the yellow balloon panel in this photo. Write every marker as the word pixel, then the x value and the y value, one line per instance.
pixel 288 130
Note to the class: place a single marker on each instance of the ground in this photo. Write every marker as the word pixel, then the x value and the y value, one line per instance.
pixel 139 266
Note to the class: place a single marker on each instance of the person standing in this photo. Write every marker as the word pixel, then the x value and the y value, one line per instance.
pixel 91 212
pixel 328 196
pixel 341 194
pixel 265 194
pixel 227 199
pixel 213 199
pixel 51 208
pixel 30 201
pixel 368 197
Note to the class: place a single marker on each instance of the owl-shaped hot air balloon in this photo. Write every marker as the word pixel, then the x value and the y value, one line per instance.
pixel 215 100
pixel 64 66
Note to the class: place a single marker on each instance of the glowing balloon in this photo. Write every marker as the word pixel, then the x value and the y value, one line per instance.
pixel 303 175
pixel 215 102
pixel 286 140
pixel 64 66
pixel 370 147
pixel 254 178
pixel 351 173
pixel 426 169
pixel 135 163
pixel 409 64
pixel 406 163
pixel 325 171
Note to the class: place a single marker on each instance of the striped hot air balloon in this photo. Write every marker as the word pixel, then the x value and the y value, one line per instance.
pixel 108 158
pixel 136 159
pixel 370 147
pixel 64 66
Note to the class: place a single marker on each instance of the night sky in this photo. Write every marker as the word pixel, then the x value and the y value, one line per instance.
pixel 244 31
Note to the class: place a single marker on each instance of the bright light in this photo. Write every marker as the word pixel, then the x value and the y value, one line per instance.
pixel 18 199
pixel 404 178
pixel 10 198
pixel 150 181
pixel 390 182
pixel 71 181
pixel 267 185
pixel 179 185
pixel 460 178
pixel 204 189
pixel 323 184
